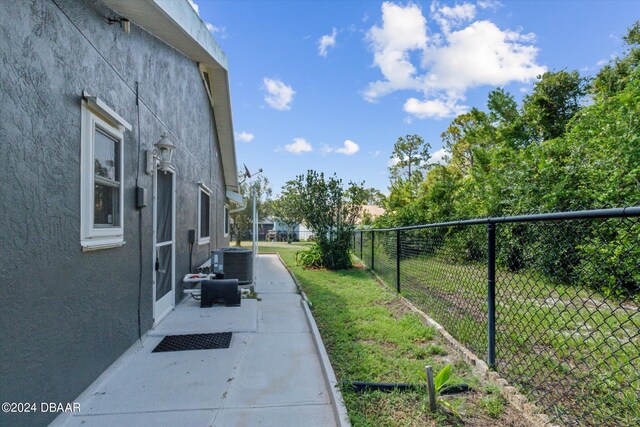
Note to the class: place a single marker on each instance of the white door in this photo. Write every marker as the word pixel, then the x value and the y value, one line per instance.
pixel 164 209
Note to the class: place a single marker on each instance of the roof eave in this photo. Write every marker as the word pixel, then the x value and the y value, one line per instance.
pixel 178 25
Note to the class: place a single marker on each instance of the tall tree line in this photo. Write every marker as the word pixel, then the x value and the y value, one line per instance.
pixel 573 144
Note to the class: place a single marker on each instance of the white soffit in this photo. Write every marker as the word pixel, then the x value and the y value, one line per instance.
pixel 235 197
pixel 177 24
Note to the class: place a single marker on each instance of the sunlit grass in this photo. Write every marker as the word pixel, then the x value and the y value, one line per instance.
pixel 372 336
pixel 569 348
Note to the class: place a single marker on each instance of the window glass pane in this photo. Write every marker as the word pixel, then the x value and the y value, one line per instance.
pixel 106 205
pixel 204 214
pixel 107 156
pixel 164 210
pixel 226 220
pixel 164 273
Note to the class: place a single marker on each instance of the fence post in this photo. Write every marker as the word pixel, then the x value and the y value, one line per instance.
pixel 398 260
pixel 491 294
pixel 361 251
pixel 373 247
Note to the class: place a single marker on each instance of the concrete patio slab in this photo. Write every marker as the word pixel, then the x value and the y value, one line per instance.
pixel 192 418
pixel 308 416
pixel 281 313
pixel 273 278
pixel 291 375
pixel 189 318
pixel 177 380
pixel 272 374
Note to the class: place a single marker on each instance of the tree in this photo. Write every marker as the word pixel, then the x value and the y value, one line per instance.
pixel 410 154
pixel 555 99
pixel 613 77
pixel 374 197
pixel 505 117
pixel 241 220
pixel 287 208
pixel 465 136
pixel 330 211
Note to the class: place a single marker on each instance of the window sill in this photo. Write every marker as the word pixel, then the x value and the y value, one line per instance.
pixel 96 245
pixel 204 241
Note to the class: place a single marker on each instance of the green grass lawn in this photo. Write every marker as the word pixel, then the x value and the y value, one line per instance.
pixel 570 349
pixel 371 335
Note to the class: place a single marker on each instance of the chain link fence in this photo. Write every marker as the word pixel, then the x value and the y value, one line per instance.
pixel 551 301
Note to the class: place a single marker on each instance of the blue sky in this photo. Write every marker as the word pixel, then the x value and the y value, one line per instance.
pixel 331 85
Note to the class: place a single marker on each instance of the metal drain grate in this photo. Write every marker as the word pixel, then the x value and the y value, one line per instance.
pixel 194 342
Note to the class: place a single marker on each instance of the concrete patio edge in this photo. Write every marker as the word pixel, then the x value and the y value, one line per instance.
pixel 337 401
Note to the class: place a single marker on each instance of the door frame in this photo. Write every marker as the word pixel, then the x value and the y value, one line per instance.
pixel 167 304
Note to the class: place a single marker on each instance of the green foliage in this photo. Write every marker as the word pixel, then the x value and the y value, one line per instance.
pixel 614 77
pixel 410 154
pixel 330 211
pixel 374 197
pixel 493 403
pixel 555 99
pixel 310 257
pixel 241 220
pixel 286 208
pixel 553 153
pixel 442 378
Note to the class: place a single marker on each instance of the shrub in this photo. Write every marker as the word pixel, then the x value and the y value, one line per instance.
pixel 310 257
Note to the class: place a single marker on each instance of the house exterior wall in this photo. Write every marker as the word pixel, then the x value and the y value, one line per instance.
pixel 65 314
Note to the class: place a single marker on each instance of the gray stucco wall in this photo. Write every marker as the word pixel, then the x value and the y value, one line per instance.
pixel 66 315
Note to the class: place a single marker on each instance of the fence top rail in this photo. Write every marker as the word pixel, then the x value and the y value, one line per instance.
pixel 630 211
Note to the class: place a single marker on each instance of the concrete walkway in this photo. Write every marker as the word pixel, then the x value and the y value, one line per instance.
pixel 274 373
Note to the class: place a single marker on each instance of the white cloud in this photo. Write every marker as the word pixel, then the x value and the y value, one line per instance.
pixel 349 148
pixel 481 54
pixel 448 17
pixel 444 66
pixel 195 6
pixel 404 29
pixel 326 42
pixel 279 95
pixel 326 149
pixel 300 145
pixel 245 136
pixel 221 32
pixel 433 108
pixel 489 4
pixel 439 157
pixel 374 153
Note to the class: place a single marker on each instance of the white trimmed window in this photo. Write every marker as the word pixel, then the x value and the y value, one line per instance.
pixel 226 221
pixel 204 214
pixel 101 176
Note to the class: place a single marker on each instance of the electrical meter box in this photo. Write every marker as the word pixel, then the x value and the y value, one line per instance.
pixel 217 262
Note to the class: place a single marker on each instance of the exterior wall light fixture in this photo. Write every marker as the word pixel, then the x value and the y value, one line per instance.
pixel 160 157
pixel 124 23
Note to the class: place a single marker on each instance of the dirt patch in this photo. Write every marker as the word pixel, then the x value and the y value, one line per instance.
pixel 397 308
pixel 471 413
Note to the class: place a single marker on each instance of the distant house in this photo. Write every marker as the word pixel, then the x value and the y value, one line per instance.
pixel 95 222
pixel 299 231
pixel 370 212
